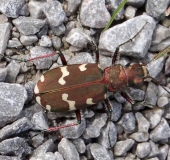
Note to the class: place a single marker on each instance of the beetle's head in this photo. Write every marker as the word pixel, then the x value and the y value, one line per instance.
pixel 136 73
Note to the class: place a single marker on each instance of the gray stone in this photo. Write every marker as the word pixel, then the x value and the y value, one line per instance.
pixel 160 46
pixel 12 99
pixel 130 12
pixel 161 131
pixel 28 40
pixel 20 79
pixel 45 156
pixel 104 61
pixel 151 95
pixel 155 67
pixel 73 5
pixel 75 131
pixel 143 149
pixel 129 36
pixel 42 63
pixel 45 41
pixel 56 41
pixel 29 86
pixel 59 156
pixel 77 38
pixel 166 22
pixel 4 37
pixel 24 11
pixel 35 9
pixel 128 122
pixel 136 3
pixel 3 19
pixel 163 152
pixel 167 64
pixel 11 8
pixel 12 71
pixel 94 127
pixel 58 30
pixel 162 102
pixel 154 116
pixel 140 136
pixel 160 33
pixel 119 98
pixel 96 19
pixel 3 74
pixel 154 149
pixel 116 110
pixel 14 43
pixel 54 13
pixel 143 124
pixel 28 25
pixel 108 135
pixel 9 158
pixel 99 152
pixel 15 128
pixel 82 57
pixel 68 150
pixel 136 94
pixel 47 146
pixel 154 8
pixel 16 146
pixel 15 34
pixel 80 145
pixel 39 121
pixel 37 140
pixel 121 147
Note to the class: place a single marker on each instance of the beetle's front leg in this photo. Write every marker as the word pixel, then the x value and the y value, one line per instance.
pixel 126 96
pixel 78 116
pixel 108 107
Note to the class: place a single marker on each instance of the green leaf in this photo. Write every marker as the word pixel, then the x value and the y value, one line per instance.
pixel 114 14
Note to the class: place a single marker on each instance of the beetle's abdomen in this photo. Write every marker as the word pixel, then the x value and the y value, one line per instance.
pixel 70 87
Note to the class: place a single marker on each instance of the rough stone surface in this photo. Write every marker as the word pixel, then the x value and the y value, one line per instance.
pixel 12 99
pixel 140 29
pixel 94 13
pixel 28 25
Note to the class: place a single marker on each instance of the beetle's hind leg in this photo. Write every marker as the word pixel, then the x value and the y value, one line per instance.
pixel 78 116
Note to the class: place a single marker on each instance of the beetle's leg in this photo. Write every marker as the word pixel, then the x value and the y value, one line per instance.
pixel 97 56
pixel 59 127
pixel 116 55
pixel 63 60
pixel 126 96
pixel 78 116
pixel 109 108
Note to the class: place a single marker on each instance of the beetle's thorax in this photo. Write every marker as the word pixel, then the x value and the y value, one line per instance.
pixel 118 77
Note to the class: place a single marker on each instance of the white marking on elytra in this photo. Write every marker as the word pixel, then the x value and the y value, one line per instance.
pixel 105 96
pixel 48 107
pixel 36 90
pixel 99 66
pixel 82 67
pixel 71 103
pixel 38 99
pixel 89 101
pixel 42 78
pixel 64 74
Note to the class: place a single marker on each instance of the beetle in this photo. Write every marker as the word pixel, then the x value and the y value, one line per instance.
pixel 75 87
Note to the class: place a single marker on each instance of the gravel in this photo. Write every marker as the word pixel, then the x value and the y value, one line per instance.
pixel 30 29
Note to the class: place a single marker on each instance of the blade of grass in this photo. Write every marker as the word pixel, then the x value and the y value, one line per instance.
pixel 160 54
pixel 114 14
